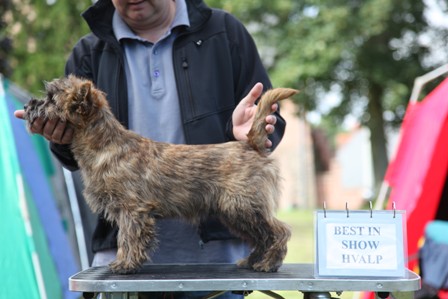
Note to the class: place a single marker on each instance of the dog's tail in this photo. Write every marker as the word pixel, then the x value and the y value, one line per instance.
pixel 257 135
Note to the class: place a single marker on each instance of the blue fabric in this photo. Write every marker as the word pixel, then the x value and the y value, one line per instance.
pixel 437 231
pixel 434 255
pixel 434 264
pixel 34 175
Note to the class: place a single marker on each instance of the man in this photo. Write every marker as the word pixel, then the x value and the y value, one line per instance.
pixel 173 71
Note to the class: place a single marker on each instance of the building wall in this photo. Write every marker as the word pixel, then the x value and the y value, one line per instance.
pixel 295 158
pixel 350 178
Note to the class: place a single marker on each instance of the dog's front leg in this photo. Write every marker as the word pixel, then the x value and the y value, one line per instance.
pixel 136 233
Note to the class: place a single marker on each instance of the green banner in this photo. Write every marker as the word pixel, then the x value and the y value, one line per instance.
pixel 18 258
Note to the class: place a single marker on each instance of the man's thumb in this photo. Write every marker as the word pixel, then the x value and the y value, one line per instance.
pixel 255 93
pixel 19 114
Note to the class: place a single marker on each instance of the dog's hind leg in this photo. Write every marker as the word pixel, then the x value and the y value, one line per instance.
pixel 136 233
pixel 267 236
pixel 276 250
pixel 249 224
pixel 258 249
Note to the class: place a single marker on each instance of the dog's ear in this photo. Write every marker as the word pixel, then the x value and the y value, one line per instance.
pixel 89 99
pixel 85 90
pixel 82 102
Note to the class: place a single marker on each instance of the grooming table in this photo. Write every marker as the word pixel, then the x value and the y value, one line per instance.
pixel 218 278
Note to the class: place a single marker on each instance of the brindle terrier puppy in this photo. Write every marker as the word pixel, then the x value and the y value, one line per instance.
pixel 134 180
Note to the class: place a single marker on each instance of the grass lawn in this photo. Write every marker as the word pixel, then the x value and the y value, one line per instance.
pixel 300 247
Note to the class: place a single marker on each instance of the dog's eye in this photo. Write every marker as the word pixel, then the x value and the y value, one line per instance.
pixel 50 99
pixel 31 102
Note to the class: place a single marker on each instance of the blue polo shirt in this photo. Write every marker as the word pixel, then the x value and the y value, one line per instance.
pixel 154 110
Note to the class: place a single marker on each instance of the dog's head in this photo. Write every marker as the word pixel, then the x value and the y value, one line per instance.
pixel 70 99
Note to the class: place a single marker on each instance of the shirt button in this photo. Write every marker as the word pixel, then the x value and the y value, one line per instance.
pixel 157 73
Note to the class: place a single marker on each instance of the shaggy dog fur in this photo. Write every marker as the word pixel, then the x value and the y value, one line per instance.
pixel 134 180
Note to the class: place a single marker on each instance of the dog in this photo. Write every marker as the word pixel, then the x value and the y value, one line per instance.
pixel 134 180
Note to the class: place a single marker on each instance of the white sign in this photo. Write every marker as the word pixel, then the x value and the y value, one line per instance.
pixel 360 243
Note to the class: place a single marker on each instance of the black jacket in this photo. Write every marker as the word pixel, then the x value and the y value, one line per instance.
pixel 215 61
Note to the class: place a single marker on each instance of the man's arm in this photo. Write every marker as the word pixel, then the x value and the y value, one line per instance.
pixel 248 72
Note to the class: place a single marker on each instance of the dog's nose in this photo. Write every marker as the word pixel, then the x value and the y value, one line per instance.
pixel 25 106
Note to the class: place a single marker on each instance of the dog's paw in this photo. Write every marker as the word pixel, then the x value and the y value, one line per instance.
pixel 118 267
pixel 243 263
pixel 265 267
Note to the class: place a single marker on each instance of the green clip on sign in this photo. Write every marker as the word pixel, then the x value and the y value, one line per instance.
pixel 360 243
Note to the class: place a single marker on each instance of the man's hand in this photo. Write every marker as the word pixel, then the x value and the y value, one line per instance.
pixel 244 113
pixel 53 130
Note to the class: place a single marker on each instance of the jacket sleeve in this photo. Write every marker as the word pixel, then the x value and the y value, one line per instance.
pixel 76 64
pixel 64 155
pixel 248 70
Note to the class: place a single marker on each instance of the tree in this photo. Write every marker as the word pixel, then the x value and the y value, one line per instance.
pixel 5 41
pixel 44 33
pixel 368 51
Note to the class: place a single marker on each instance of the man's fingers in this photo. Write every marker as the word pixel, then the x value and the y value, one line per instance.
pixel 58 132
pixel 67 136
pixel 53 130
pixel 38 126
pixel 271 119
pixel 19 114
pixel 49 128
pixel 254 94
pixel 270 129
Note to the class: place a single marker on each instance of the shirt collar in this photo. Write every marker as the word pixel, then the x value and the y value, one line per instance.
pixel 122 30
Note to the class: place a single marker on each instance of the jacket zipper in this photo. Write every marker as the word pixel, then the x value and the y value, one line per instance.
pixel 190 101
pixel 122 104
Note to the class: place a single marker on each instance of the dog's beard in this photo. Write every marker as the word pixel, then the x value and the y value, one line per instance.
pixel 33 110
